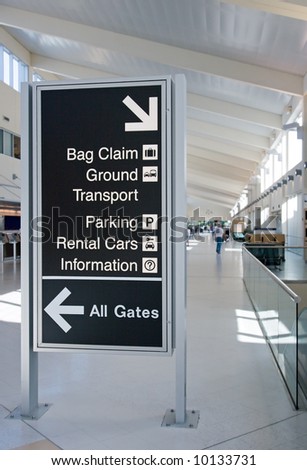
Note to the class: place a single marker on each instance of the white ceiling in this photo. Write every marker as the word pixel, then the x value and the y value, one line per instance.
pixel 244 62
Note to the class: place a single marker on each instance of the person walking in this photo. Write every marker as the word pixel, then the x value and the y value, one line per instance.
pixel 219 238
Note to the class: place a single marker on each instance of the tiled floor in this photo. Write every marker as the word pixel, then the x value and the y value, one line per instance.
pixel 294 268
pixel 101 401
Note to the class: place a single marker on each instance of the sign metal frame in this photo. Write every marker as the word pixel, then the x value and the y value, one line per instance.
pixel 174 267
pixel 166 213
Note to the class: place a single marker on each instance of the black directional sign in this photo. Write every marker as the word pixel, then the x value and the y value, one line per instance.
pixel 102 179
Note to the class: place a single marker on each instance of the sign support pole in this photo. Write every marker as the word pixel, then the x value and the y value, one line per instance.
pixel 180 417
pixel 29 408
pixel 29 359
pixel 180 288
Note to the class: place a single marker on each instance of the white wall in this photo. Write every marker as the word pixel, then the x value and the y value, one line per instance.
pixel 10 108
pixel 295 220
pixel 14 46
pixel 9 187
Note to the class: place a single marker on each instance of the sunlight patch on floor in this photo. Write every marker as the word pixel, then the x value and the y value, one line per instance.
pixel 10 307
pixel 233 249
pixel 248 329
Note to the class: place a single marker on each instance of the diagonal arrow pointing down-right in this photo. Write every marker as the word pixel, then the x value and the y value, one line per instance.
pixel 148 122
pixel 55 309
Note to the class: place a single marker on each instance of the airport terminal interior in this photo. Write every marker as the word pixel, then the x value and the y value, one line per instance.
pixel 100 401
pixel 188 113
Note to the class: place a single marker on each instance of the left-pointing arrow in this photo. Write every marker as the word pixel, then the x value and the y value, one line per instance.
pixel 55 309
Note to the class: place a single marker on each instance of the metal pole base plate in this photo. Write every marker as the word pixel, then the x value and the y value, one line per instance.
pixel 36 413
pixel 191 419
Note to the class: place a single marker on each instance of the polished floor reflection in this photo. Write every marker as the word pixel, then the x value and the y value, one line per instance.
pixel 102 401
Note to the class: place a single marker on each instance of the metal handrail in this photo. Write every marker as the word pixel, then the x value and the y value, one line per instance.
pixel 296 298
pixel 280 245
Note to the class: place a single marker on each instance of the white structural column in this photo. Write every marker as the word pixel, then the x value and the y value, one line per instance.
pixel 305 161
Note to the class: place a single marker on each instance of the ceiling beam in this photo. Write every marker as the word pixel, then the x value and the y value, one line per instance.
pixel 233 135
pixel 221 183
pixel 210 194
pixel 220 157
pixel 197 200
pixel 161 53
pixel 202 103
pixel 224 147
pixel 227 203
pixel 216 168
pixel 296 9
pixel 235 111
pixel 66 69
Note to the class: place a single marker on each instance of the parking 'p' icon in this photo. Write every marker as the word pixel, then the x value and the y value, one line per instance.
pixel 150 221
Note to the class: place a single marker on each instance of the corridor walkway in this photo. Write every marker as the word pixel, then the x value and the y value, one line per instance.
pixel 101 401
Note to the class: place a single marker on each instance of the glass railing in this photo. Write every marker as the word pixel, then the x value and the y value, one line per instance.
pixel 302 351
pixel 276 306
